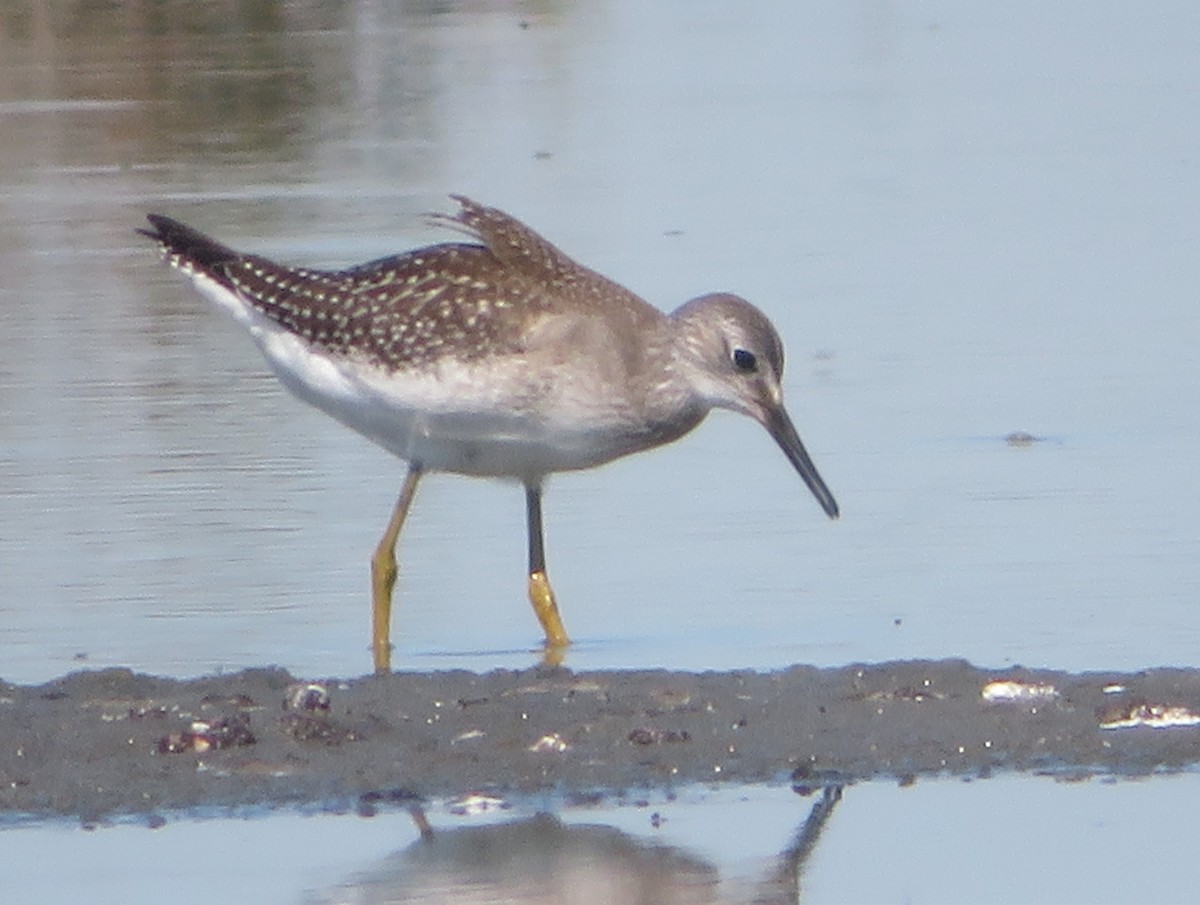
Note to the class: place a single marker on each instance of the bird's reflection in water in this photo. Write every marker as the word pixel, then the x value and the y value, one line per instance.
pixel 783 883
pixel 542 860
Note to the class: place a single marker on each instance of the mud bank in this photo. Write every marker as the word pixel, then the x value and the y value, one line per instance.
pixel 106 743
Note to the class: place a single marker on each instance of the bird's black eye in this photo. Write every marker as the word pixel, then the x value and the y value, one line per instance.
pixel 745 361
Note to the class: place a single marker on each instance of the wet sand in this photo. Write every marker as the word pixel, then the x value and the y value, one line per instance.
pixel 113 743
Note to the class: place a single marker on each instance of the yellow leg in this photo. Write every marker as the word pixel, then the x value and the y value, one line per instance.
pixel 383 573
pixel 540 593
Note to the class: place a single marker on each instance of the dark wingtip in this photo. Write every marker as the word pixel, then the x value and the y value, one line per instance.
pixel 148 233
pixel 190 244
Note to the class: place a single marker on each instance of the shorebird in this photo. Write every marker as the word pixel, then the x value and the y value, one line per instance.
pixel 498 357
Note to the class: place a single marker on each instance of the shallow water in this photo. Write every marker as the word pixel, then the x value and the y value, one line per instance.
pixel 1007 839
pixel 945 271
pixel 965 221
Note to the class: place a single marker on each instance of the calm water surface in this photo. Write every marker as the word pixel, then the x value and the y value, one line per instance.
pixel 1005 840
pixel 965 220
pixel 965 223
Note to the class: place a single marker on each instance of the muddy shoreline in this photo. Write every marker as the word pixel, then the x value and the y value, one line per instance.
pixel 113 743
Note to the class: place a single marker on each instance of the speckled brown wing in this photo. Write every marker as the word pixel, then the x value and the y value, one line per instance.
pixel 540 264
pixel 409 310
pixel 397 312
pixel 400 312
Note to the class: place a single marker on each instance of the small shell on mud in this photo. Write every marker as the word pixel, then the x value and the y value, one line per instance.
pixel 553 743
pixel 1142 713
pixel 1010 691
pixel 203 736
pixel 306 696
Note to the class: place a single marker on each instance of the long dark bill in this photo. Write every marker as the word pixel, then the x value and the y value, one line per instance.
pixel 781 428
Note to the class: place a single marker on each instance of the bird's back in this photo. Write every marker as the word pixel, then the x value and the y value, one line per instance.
pixel 462 300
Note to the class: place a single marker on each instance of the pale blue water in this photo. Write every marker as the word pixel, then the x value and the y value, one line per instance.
pixel 964 220
pixel 1010 839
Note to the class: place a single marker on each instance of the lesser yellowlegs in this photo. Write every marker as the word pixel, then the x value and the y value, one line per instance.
pixel 500 357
